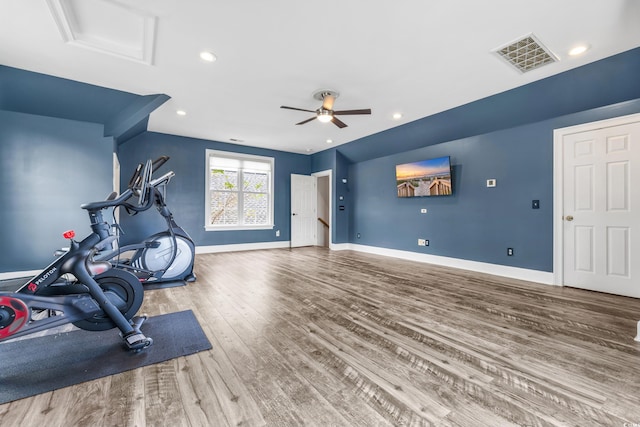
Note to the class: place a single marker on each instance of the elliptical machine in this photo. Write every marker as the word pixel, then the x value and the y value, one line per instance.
pixel 100 297
pixel 165 256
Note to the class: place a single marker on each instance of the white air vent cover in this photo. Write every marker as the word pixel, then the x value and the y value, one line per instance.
pixel 526 54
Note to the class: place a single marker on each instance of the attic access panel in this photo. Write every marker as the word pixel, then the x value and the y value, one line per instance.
pixel 106 26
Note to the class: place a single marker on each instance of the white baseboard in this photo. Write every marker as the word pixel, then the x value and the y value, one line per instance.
pixel 241 247
pixel 199 250
pixel 340 246
pixel 480 267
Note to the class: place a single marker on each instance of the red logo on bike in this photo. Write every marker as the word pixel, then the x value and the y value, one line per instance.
pixel 32 287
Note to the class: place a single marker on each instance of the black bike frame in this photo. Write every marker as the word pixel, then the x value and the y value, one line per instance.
pixel 76 261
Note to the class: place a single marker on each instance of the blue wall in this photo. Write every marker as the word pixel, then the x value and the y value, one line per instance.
pixel 475 223
pixel 48 168
pixel 343 218
pixel 186 192
pixel 506 136
pixel 38 94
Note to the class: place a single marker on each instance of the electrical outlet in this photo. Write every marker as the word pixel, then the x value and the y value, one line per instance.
pixel 423 210
pixel 277 233
pixel 358 235
pixel 422 242
pixel 509 251
pixel 426 242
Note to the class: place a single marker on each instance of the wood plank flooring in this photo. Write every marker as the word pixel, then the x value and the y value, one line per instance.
pixel 338 338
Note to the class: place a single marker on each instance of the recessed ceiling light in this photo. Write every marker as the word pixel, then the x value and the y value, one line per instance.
pixel 181 113
pixel 397 116
pixel 329 141
pixel 207 56
pixel 578 50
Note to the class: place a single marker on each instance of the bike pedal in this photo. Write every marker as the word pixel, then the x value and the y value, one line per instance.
pixel 136 341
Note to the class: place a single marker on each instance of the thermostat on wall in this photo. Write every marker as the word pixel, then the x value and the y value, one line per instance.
pixel 491 182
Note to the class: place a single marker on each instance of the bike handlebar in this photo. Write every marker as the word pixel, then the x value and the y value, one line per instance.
pixel 118 201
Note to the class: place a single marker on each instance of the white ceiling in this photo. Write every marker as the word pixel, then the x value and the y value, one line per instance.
pixel 411 56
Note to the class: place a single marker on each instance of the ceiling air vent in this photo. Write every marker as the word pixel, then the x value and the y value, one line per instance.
pixel 526 54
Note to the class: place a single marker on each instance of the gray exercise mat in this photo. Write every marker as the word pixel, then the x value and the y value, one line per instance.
pixel 38 365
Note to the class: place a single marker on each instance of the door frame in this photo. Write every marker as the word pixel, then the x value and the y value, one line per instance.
pixel 327 173
pixel 558 184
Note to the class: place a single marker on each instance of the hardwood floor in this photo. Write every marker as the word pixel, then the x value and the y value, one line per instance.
pixel 322 338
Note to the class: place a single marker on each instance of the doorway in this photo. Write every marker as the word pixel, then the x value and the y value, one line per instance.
pixel 324 208
pixel 596 215
pixel 311 209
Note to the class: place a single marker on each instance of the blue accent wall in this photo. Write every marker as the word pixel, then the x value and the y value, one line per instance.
pixel 48 168
pixel 43 95
pixel 343 217
pixel 50 165
pixel 186 191
pixel 123 114
pixel 475 223
pixel 509 137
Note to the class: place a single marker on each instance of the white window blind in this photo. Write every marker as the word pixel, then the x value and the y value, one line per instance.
pixel 239 191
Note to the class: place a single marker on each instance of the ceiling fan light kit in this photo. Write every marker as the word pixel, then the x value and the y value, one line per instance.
pixel 326 113
pixel 325 116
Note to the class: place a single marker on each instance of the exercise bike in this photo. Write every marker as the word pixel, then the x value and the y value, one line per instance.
pixel 165 256
pixel 99 297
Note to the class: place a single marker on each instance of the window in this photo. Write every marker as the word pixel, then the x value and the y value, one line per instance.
pixel 239 191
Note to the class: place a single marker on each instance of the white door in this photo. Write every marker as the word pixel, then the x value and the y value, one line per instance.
pixel 303 210
pixel 600 208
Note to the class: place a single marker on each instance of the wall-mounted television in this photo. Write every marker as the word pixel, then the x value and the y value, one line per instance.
pixel 426 178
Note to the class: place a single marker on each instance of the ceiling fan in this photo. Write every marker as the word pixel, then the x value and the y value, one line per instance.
pixel 326 113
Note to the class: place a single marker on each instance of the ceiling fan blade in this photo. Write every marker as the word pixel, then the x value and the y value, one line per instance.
pixel 351 112
pixel 306 121
pixel 297 109
pixel 336 121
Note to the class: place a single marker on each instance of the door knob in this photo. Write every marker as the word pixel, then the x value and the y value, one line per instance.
pixel 569 218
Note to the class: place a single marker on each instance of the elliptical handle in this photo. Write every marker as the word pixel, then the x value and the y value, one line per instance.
pixel 159 162
pixel 135 177
pixel 143 189
pixel 139 185
pixel 163 179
